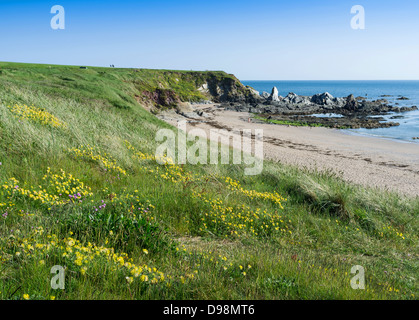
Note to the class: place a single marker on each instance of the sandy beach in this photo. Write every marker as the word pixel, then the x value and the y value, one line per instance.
pixel 386 164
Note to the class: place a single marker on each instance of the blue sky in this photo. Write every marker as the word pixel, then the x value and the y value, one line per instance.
pixel 255 40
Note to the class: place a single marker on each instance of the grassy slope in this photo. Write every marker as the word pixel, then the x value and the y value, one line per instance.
pixel 205 250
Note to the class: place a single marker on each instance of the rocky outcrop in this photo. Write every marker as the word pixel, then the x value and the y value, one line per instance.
pixel 162 97
pixel 265 95
pixel 164 89
pixel 407 109
pixel 230 89
pixel 333 122
pixel 324 99
pixel 318 103
pixel 354 112
pixel 351 103
pixel 253 91
pixel 293 98
pixel 274 97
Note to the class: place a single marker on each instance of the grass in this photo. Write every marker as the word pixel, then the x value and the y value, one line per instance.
pixel 88 195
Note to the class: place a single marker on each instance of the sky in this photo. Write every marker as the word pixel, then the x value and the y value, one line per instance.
pixel 255 40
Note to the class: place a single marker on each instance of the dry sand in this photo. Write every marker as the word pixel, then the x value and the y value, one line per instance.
pixel 367 161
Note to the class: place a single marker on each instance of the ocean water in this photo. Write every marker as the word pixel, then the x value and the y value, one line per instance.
pixel 409 124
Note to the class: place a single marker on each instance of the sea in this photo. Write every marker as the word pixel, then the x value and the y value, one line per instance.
pixel 372 90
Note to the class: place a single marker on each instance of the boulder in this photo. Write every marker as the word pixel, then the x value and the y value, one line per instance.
pixel 265 95
pixel 323 99
pixel 293 98
pixel 351 103
pixel 407 109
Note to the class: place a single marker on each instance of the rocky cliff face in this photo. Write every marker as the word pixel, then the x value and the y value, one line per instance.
pixel 228 89
pixel 166 89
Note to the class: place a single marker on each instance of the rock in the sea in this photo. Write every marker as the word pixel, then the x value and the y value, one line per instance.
pixel 351 103
pixel 355 112
pixel 323 99
pixel 407 109
pixel 293 98
pixel 265 95
pixel 274 95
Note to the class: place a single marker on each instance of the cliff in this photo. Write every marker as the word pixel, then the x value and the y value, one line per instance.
pixel 165 89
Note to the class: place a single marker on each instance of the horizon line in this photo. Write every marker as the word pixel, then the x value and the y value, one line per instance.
pixel 96 66
pixel 333 80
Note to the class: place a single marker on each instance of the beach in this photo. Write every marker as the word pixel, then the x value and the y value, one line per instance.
pixel 367 161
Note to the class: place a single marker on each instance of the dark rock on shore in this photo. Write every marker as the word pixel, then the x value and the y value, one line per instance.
pixel 324 103
pixel 324 99
pixel 265 95
pixel 333 122
pixel 407 109
pixel 351 103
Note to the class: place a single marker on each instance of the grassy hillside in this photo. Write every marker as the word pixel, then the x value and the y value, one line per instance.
pixel 80 188
pixel 120 88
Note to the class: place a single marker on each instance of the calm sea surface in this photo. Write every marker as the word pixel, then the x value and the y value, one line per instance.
pixel 409 124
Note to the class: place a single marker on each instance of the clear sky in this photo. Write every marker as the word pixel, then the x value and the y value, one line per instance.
pixel 255 40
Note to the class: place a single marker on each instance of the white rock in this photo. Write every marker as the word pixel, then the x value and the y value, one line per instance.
pixel 274 94
pixel 204 88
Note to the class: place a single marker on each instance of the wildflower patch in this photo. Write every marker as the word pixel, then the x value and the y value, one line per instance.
pixel 85 259
pixel 89 153
pixel 38 115
pixel 59 189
